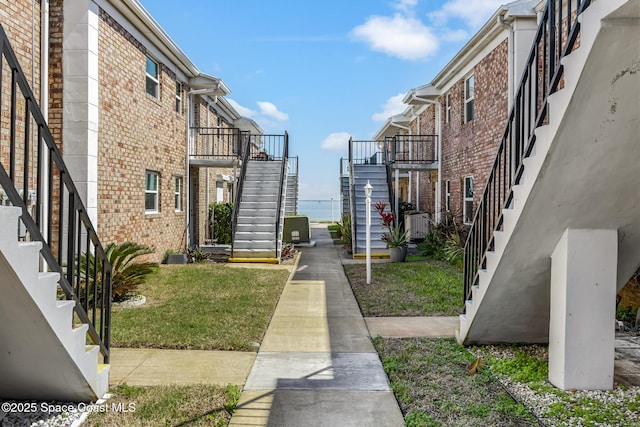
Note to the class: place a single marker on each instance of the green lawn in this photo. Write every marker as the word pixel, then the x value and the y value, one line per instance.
pixel 201 306
pixel 414 288
pixel 196 405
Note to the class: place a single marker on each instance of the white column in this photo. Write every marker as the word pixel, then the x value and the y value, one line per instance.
pixel 80 99
pixel 583 296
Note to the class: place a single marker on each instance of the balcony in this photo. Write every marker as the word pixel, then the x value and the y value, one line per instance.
pixel 413 152
pixel 215 147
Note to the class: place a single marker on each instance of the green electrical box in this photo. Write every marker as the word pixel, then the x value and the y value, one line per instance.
pixel 296 229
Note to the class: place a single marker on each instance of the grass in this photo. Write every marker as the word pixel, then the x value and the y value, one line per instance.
pixel 417 287
pixel 195 405
pixel 200 306
pixel 430 380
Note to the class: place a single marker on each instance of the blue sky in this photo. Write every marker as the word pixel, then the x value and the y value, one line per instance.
pixel 321 70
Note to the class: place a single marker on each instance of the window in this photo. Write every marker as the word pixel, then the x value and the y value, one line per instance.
pixel 469 85
pixel 152 78
pixel 468 200
pixel 447 114
pixel 447 196
pixel 178 97
pixel 177 194
pixel 151 192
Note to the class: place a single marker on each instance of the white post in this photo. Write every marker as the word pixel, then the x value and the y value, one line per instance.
pixel 367 192
pixel 332 209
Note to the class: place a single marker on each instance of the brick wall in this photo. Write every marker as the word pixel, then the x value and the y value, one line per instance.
pixel 137 132
pixel 468 149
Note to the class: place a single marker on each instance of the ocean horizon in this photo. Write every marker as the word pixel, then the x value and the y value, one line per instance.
pixel 319 210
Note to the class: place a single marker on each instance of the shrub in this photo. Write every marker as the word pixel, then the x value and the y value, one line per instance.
pixel 126 274
pixel 346 231
pixel 446 241
pixel 221 215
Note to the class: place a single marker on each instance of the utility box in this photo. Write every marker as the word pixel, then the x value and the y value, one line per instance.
pixel 417 225
pixel 296 229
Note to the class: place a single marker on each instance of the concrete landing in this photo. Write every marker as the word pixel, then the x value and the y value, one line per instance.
pixel 412 327
pixel 150 367
pixel 316 365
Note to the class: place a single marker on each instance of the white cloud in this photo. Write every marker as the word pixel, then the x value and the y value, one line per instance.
pixel 451 35
pixel 400 36
pixel 338 141
pixel 406 6
pixel 473 13
pixel 391 107
pixel 270 110
pixel 244 111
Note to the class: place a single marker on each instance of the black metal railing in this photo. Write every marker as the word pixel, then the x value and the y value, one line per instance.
pixel 246 141
pixel 34 177
pixel 216 144
pixel 365 152
pixel 413 149
pixel 283 173
pixel 387 163
pixel 556 37
pixel 352 197
pixel 267 147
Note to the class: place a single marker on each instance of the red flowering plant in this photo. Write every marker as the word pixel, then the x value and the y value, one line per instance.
pixel 394 237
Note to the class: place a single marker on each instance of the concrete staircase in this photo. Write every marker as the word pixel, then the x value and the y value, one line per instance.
pixel 582 176
pixel 255 234
pixel 344 194
pixel 43 354
pixel 291 205
pixel 376 175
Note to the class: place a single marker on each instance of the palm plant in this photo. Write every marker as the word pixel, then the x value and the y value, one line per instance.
pixel 126 274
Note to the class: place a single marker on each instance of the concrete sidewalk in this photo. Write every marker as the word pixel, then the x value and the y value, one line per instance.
pixel 316 365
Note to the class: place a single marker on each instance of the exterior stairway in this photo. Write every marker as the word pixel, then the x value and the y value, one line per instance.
pixel 256 235
pixel 291 206
pixel 582 174
pixel 376 175
pixel 44 355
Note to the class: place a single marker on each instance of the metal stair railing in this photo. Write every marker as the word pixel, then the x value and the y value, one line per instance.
pixel 541 78
pixel 352 199
pixel 37 172
pixel 283 177
pixel 389 157
pixel 246 152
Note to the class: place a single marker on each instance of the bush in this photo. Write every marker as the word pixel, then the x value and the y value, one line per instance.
pixel 346 231
pixel 126 275
pixel 446 241
pixel 221 215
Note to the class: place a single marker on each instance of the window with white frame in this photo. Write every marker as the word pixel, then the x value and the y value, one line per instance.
pixel 447 115
pixel 469 86
pixel 152 79
pixel 151 196
pixel 178 97
pixel 447 196
pixel 177 193
pixel 467 206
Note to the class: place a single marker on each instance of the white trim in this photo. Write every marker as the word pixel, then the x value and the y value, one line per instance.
pixel 178 192
pixel 155 191
pixel 447 195
pixel 466 199
pixel 469 99
pixel 155 79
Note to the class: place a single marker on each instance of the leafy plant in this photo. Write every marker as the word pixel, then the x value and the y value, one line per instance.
pixel 394 237
pixel 346 231
pixel 221 215
pixel 196 254
pixel 126 273
pixel 446 240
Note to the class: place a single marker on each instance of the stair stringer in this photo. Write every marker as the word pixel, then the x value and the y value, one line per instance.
pixel 528 322
pixel 378 177
pixel 44 356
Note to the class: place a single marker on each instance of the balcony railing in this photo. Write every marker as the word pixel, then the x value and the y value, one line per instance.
pixel 215 144
pixel 556 37
pixel 413 149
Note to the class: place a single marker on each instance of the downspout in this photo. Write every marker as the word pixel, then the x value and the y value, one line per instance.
pixel 510 55
pixel 397 175
pixel 417 172
pixel 207 185
pixel 439 149
pixel 187 186
pixel 44 107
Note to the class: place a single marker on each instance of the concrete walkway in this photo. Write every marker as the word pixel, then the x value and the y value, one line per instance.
pixel 316 365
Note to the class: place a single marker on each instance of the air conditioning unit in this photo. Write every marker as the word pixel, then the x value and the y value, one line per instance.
pixel 417 225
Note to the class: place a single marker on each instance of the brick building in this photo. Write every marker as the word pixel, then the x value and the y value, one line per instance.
pixel 465 106
pixel 127 108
